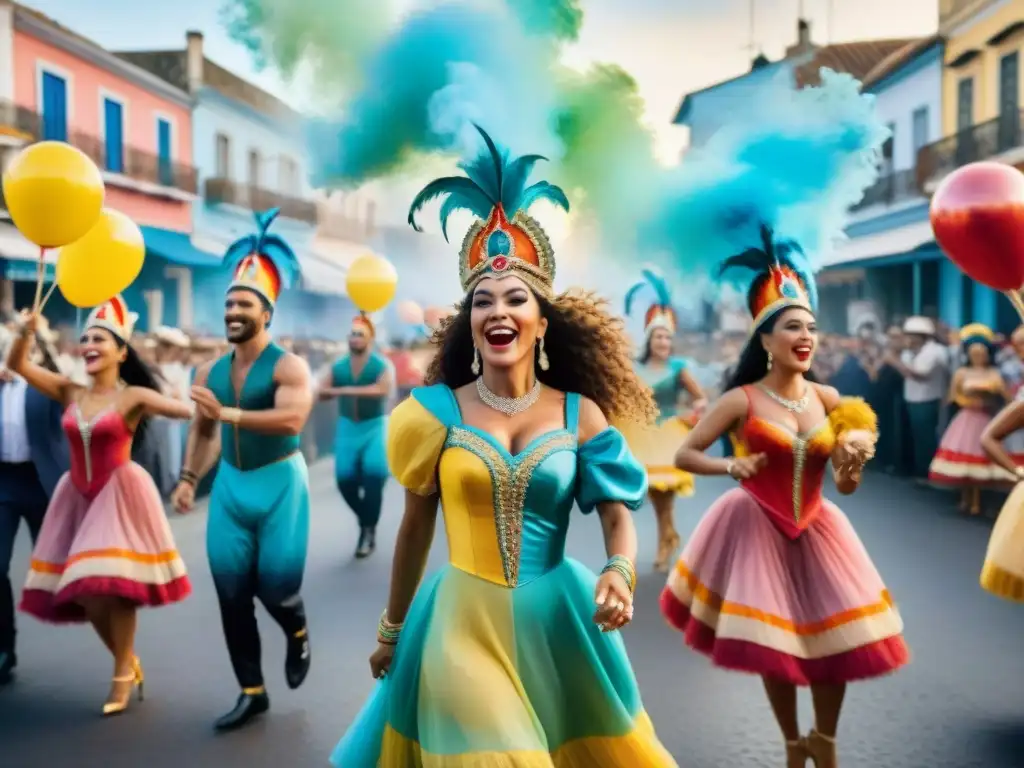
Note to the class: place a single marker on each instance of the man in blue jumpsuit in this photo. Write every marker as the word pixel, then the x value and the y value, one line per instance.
pixel 258 527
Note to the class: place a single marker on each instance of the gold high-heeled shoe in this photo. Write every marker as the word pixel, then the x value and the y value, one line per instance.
pixel 137 678
pixel 822 750
pixel 666 552
pixel 796 753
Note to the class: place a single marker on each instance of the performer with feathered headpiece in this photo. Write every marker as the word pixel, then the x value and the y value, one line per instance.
pixel 510 434
pixel 775 581
pixel 979 391
pixel 259 396
pixel 668 377
pixel 105 548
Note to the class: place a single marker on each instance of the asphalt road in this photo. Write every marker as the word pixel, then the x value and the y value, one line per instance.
pixel 960 704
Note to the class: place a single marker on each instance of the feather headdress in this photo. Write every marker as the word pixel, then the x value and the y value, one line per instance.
pixel 660 313
pixel 506 240
pixel 263 263
pixel 779 283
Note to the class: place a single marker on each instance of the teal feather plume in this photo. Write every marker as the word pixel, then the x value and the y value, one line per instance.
pixel 652 278
pixel 492 179
pixel 274 247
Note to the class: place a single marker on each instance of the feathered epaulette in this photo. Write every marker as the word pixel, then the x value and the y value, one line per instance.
pixel 853 413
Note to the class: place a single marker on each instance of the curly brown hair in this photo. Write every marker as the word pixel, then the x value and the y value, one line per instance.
pixel 586 345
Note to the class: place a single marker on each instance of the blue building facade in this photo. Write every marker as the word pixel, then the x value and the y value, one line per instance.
pixel 890 266
pixel 250 154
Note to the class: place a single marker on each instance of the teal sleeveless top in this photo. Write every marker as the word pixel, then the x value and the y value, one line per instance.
pixel 359 408
pixel 241 448
pixel 664 381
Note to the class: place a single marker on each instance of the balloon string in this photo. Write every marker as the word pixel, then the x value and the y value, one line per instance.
pixel 1017 301
pixel 46 298
pixel 39 280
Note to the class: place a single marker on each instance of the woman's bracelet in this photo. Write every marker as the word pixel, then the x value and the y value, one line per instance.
pixel 388 633
pixel 623 566
pixel 189 477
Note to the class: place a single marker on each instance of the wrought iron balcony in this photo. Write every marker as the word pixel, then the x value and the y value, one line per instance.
pixel 889 189
pixel 138 165
pixel 18 122
pixel 254 198
pixel 984 141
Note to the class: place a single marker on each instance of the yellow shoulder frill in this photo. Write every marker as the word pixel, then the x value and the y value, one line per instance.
pixel 415 441
pixel 853 413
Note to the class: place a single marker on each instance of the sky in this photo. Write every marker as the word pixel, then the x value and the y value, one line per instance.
pixel 671 47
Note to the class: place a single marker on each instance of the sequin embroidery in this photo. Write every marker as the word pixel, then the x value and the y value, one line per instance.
pixel 510 480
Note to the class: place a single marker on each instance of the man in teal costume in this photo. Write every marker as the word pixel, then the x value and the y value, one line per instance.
pixel 361 381
pixel 258 528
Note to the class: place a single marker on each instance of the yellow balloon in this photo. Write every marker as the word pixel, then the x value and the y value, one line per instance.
pixel 371 282
pixel 54 193
pixel 96 268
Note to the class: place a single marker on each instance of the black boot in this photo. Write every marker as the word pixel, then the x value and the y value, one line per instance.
pixel 296 663
pixel 249 705
pixel 8 661
pixel 367 542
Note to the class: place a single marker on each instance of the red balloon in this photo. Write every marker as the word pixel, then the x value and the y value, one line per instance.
pixel 977 216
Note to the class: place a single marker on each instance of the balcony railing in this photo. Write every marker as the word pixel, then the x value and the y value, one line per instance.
pixel 220 190
pixel 17 121
pixel 138 165
pixel 979 142
pixel 889 189
pixel 134 164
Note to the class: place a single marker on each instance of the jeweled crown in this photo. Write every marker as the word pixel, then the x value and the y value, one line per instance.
pixel 505 240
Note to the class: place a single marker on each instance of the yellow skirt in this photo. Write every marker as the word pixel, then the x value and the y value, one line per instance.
pixel 1003 572
pixel 655 448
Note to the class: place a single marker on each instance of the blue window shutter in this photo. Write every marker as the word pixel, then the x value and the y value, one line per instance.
pixel 55 108
pixel 114 140
pixel 163 141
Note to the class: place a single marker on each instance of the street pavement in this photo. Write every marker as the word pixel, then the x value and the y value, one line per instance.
pixel 960 703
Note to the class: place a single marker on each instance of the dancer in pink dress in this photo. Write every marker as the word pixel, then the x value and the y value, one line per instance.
pixel 105 547
pixel 774 580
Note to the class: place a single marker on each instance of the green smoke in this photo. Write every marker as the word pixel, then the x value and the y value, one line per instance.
pixel 557 19
pixel 331 37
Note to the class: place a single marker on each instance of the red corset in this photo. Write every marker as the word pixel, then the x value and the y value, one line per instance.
pixel 789 487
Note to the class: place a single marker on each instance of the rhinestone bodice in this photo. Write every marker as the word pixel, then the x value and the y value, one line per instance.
pixel 98 447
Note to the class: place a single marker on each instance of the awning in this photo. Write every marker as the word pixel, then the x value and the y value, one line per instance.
pixel 323 277
pixel 177 247
pixel 894 241
pixel 929 251
pixel 19 259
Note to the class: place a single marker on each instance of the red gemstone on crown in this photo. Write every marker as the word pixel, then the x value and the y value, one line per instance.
pixel 499 264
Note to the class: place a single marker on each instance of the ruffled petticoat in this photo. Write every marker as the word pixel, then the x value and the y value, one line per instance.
pixel 961 460
pixel 490 677
pixel 118 544
pixel 808 611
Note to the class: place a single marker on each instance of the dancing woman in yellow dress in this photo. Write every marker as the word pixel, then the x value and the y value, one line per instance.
pixel 508 657
pixel 668 376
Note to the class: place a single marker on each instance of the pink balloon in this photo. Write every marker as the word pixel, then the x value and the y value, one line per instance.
pixel 410 312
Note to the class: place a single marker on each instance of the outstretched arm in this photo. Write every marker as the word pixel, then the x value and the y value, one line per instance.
pixel 201 448
pixel 1006 422
pixel 149 402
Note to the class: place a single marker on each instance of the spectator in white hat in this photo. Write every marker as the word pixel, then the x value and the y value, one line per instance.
pixel 924 366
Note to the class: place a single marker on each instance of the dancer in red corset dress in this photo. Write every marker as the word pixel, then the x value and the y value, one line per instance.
pixel 105 547
pixel 774 580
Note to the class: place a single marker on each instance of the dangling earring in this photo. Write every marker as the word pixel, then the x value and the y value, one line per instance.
pixel 475 367
pixel 769 361
pixel 542 356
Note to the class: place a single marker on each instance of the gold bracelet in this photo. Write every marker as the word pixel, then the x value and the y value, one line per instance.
pixel 231 415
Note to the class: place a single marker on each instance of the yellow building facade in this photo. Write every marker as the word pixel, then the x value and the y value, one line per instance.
pixel 982 74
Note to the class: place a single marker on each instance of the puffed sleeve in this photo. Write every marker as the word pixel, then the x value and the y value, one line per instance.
pixel 608 471
pixel 415 441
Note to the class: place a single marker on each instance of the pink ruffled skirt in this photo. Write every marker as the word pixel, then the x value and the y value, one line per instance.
pixel 117 544
pixel 960 459
pixel 808 611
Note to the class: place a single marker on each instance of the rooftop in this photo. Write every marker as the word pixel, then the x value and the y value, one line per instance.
pixel 899 58
pixel 856 58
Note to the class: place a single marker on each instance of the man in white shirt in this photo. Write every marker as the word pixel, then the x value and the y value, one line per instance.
pixel 924 365
pixel 33 456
